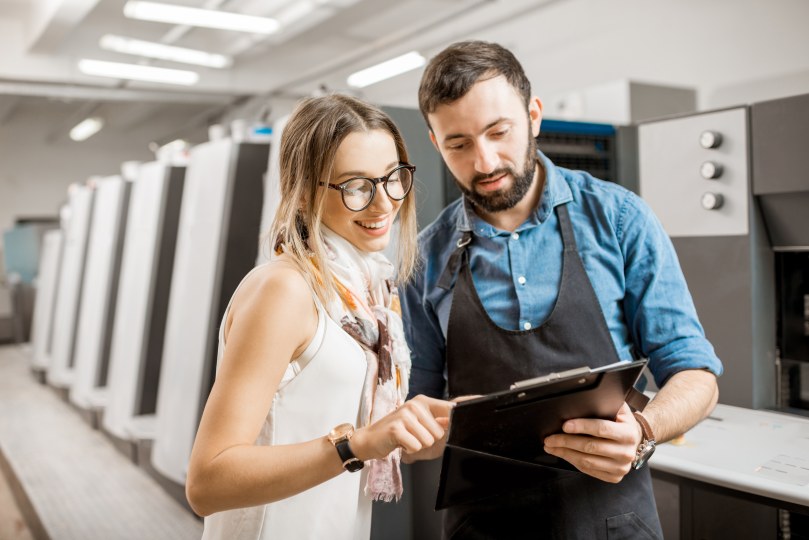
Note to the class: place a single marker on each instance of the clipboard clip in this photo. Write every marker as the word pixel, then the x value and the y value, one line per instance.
pixel 551 377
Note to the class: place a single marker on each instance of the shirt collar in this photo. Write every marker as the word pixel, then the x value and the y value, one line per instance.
pixel 555 192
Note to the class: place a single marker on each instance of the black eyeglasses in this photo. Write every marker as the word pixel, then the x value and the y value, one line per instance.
pixel 358 192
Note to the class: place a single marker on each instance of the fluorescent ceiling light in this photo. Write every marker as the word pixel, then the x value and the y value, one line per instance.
pixel 206 18
pixel 296 11
pixel 137 73
pixel 86 128
pixel 386 70
pixel 150 49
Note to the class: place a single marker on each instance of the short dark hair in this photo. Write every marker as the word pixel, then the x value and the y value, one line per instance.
pixel 453 71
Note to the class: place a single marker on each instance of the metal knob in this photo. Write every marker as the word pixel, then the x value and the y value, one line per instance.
pixel 712 201
pixel 710 170
pixel 710 139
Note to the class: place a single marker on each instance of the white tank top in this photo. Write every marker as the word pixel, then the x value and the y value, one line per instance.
pixel 319 390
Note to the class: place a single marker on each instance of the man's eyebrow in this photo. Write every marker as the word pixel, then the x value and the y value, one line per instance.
pixel 364 174
pixel 485 128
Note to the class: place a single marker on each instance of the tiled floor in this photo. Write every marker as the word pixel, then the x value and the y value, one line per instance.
pixel 12 524
pixel 78 485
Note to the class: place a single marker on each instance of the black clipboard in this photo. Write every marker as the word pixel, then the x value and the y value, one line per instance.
pixel 495 442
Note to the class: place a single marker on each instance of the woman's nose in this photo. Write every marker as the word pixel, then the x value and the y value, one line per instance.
pixel 381 201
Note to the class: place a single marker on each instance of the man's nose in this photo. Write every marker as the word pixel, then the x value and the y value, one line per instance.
pixel 485 158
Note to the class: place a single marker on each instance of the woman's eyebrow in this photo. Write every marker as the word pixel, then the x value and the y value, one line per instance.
pixel 364 174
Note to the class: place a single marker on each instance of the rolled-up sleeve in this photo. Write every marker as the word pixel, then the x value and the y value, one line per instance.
pixel 659 311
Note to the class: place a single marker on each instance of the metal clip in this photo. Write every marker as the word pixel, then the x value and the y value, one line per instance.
pixel 551 377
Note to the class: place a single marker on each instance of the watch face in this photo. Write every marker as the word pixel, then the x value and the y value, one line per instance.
pixel 341 432
pixel 644 454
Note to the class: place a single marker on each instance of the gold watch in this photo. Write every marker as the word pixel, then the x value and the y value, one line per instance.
pixel 339 437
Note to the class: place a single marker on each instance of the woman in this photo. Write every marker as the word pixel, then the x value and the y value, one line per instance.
pixel 312 345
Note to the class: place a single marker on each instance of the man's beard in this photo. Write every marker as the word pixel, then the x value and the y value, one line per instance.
pixel 508 198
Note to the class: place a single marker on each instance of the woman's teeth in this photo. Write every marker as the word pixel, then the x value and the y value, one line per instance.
pixel 372 225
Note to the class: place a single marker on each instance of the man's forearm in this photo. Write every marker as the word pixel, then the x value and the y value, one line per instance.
pixel 685 399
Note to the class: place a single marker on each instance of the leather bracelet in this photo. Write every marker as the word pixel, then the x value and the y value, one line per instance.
pixel 646 429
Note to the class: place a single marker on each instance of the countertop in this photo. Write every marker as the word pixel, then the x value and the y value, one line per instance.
pixel 761 452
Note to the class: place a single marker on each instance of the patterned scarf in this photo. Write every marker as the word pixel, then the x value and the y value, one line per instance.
pixel 368 310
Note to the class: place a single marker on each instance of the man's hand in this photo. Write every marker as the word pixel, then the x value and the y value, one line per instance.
pixel 600 448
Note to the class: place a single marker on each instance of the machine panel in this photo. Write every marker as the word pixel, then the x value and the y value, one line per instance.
pixel 47 285
pixel 694 173
pixel 99 291
pixel 216 246
pixel 143 294
pixel 60 371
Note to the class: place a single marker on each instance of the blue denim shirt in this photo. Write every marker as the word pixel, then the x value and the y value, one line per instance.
pixel 628 257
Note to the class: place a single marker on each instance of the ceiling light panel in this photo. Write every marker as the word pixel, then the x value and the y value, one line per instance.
pixel 294 17
pixel 206 18
pixel 117 70
pixel 86 128
pixel 386 70
pixel 161 51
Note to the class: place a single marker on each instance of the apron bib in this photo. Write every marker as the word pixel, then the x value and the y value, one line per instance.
pixel 483 358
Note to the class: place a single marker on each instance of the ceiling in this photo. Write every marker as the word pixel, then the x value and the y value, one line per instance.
pixel 564 44
pixel 43 41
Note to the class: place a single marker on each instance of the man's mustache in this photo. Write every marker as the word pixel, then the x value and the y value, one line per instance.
pixel 483 177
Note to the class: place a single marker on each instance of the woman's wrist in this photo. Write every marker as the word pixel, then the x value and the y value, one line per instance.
pixel 359 444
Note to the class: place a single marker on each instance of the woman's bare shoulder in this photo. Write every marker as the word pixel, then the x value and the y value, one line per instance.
pixel 278 286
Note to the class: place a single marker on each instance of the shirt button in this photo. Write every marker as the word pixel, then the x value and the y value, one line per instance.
pixel 526 325
pixel 515 236
pixel 521 280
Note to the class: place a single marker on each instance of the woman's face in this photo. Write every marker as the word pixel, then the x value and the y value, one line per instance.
pixel 371 154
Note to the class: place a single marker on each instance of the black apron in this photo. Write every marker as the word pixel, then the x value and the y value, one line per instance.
pixel 484 358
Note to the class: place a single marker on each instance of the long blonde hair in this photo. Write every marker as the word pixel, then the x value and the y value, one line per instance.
pixel 309 145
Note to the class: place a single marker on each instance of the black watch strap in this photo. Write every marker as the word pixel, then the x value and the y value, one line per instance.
pixel 350 462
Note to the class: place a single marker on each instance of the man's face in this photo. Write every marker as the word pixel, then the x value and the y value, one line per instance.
pixel 487 140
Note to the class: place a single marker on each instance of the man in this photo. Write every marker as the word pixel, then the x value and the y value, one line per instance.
pixel 540 269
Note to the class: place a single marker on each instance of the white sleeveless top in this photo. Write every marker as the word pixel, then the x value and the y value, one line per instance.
pixel 319 390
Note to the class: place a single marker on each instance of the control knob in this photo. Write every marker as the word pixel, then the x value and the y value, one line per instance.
pixel 712 201
pixel 710 170
pixel 710 139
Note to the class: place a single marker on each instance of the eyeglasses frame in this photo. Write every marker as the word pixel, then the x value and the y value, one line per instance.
pixel 374 181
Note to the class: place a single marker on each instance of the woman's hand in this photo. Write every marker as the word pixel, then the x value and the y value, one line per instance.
pixel 437 449
pixel 415 427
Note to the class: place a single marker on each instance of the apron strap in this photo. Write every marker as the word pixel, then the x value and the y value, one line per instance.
pixel 454 262
pixel 568 238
